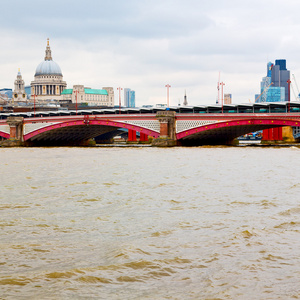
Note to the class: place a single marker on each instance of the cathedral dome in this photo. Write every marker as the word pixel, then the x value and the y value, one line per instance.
pixel 48 81
pixel 48 67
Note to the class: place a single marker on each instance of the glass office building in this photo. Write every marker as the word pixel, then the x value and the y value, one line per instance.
pixel 276 94
pixel 129 97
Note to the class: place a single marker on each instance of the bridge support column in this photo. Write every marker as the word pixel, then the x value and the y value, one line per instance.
pixel 16 132
pixel 131 135
pixel 167 129
pixel 143 137
pixel 278 135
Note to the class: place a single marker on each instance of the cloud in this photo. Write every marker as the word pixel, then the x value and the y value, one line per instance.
pixel 146 44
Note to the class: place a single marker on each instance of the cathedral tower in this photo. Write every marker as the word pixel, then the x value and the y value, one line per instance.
pixel 19 89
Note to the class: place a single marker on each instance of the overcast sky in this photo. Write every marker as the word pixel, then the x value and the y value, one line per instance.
pixel 146 44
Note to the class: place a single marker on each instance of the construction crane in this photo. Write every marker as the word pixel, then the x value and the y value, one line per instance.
pixel 218 88
pixel 264 91
pixel 297 98
pixel 294 92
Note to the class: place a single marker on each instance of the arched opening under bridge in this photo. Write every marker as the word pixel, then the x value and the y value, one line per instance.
pixel 224 133
pixel 78 132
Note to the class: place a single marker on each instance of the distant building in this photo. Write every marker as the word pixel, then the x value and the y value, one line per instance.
pixel 129 98
pixel 3 100
pixel 160 105
pixel 6 92
pixel 28 91
pixel 227 98
pixel 185 102
pixel 274 86
pixel 48 81
pixel 91 97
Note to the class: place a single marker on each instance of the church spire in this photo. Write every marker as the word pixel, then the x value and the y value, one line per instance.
pixel 48 55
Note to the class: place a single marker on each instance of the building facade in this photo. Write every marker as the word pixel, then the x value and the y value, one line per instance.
pixel 90 97
pixel 274 87
pixel 129 98
pixel 48 81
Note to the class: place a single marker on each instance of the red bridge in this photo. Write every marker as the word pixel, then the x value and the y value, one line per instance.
pixel 167 127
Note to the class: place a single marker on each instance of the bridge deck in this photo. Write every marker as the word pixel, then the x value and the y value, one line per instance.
pixel 259 108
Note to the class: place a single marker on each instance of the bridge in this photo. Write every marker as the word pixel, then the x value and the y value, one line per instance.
pixel 197 125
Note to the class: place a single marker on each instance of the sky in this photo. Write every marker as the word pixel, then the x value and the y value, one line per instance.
pixel 146 44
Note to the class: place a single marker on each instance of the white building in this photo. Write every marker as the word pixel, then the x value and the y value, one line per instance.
pixel 91 97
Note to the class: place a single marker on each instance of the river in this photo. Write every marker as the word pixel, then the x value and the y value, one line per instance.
pixel 150 223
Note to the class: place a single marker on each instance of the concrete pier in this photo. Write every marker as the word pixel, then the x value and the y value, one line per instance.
pixel 167 129
pixel 16 132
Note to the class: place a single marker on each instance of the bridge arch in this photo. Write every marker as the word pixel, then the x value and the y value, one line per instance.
pixel 226 132
pixel 86 128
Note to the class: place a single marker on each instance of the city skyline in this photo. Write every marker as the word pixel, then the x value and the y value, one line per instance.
pixel 148 45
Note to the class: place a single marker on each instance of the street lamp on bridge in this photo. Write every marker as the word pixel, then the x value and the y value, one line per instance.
pixel 34 95
pixel 76 93
pixel 222 84
pixel 289 94
pixel 168 86
pixel 120 89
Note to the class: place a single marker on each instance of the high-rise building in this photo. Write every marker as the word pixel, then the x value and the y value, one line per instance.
pixel 129 98
pixel 280 76
pixel 274 87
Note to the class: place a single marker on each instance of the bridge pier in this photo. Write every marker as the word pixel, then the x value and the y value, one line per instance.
pixel 131 136
pixel 16 132
pixel 287 134
pixel 143 137
pixel 16 128
pixel 167 129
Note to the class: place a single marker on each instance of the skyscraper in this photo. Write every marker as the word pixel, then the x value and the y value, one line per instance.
pixel 129 97
pixel 274 87
pixel 280 76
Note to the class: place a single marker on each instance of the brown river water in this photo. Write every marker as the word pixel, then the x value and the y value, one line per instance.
pixel 149 223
